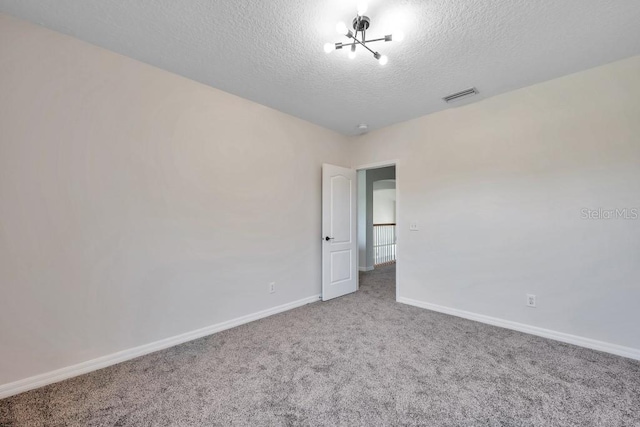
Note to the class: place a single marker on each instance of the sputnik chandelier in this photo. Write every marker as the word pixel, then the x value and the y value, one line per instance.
pixel 361 24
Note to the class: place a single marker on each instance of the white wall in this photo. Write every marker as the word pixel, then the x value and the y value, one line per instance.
pixel 384 201
pixel 114 228
pixel 497 188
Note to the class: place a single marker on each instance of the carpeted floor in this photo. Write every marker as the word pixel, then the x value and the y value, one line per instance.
pixel 358 360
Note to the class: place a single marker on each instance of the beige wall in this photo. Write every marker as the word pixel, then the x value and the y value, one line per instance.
pixel 136 205
pixel 498 189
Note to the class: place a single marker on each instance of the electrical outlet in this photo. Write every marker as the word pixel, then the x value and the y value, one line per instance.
pixel 414 226
pixel 272 287
pixel 531 300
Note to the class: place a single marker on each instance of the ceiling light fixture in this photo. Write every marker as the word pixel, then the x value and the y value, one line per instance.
pixel 361 24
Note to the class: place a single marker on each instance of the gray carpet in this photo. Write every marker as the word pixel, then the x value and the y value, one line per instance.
pixel 359 360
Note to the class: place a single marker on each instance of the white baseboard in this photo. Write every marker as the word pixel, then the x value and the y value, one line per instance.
pixel 631 353
pixel 365 268
pixel 41 380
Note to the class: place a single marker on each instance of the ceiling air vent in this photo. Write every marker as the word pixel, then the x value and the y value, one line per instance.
pixel 461 95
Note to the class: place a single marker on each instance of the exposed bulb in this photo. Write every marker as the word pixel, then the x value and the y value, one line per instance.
pixel 352 51
pixel 329 47
pixel 383 60
pixel 341 28
pixel 398 36
pixel 362 8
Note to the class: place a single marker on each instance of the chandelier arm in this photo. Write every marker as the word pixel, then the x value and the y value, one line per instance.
pixel 376 40
pixel 368 41
pixel 364 45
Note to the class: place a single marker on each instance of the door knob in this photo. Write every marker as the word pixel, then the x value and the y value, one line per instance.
pixel 329 238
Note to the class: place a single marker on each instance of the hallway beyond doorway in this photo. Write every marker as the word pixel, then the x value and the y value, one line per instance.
pixel 377 200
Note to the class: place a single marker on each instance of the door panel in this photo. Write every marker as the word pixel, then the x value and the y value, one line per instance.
pixel 340 209
pixel 340 266
pixel 339 240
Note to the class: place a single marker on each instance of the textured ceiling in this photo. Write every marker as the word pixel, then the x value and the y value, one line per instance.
pixel 271 51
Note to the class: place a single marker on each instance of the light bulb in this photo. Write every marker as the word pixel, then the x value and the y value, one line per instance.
pixel 362 8
pixel 352 51
pixel 398 36
pixel 341 28
pixel 383 60
pixel 329 47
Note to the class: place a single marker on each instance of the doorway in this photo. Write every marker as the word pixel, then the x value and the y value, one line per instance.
pixel 352 239
pixel 377 218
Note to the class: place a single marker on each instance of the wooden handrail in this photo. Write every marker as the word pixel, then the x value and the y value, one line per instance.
pixel 380 225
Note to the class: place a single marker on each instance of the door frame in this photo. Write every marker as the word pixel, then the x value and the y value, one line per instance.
pixel 378 165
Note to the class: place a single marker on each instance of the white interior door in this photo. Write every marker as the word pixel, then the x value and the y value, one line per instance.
pixel 339 238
